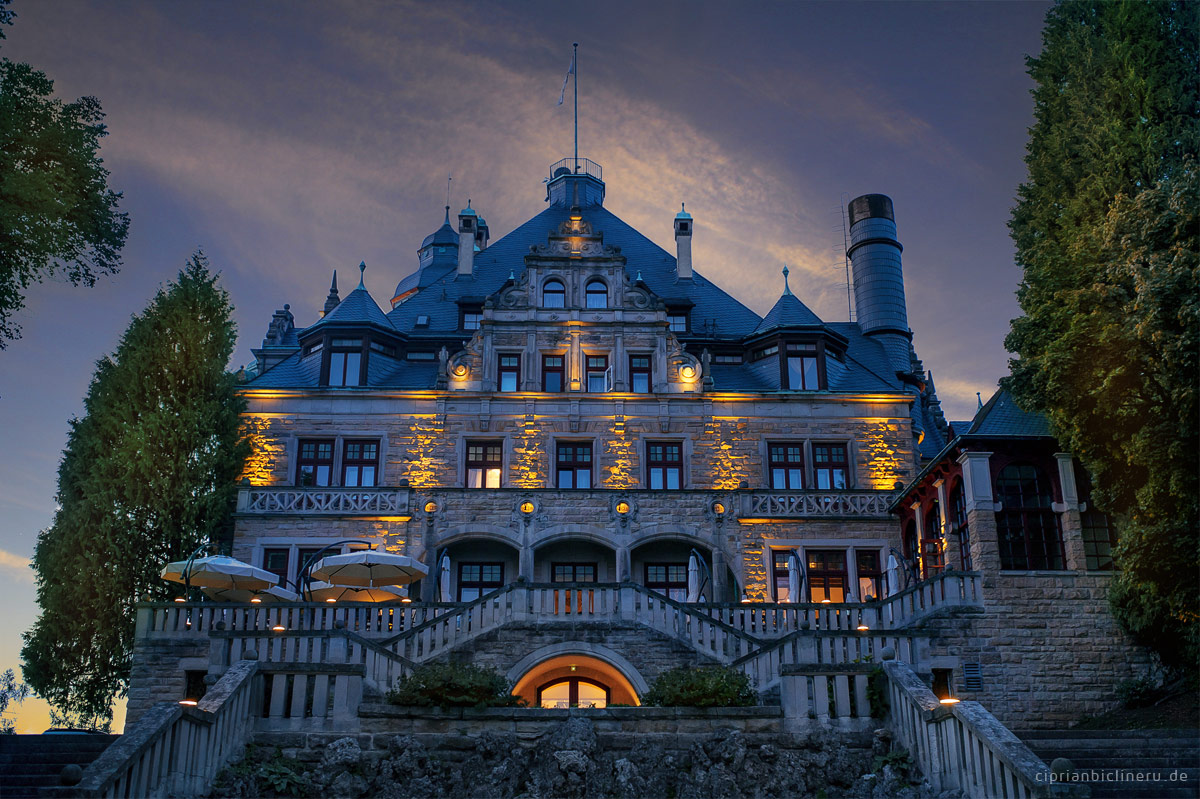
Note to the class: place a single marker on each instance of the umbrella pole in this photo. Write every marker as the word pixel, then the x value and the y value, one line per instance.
pixel 304 579
pixel 187 570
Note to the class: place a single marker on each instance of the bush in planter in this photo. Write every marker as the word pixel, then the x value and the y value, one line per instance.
pixel 452 685
pixel 704 686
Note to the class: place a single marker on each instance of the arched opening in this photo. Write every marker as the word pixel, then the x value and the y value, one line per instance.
pixel 554 294
pixel 467 570
pixel 596 294
pixel 665 566
pixel 575 680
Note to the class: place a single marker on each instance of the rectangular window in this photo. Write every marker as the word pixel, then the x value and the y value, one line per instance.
pixel 574 464
pixel 477 579
pixel 780 576
pixel 345 362
pixel 664 464
pixel 509 372
pixel 786 462
pixel 314 462
pixel 830 466
pixel 1099 540
pixel 827 575
pixel 471 319
pixel 870 578
pixel 639 374
pixel 360 463
pixel 668 579
pixel 766 352
pixel 305 554
pixel 573 573
pixel 677 322
pixel 383 349
pixel 597 374
pixel 727 359
pixel 276 561
pixel 802 372
pixel 422 356
pixel 484 462
pixel 552 373
pixel 1029 539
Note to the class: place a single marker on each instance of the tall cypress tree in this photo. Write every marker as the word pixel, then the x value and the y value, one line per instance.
pixel 1106 233
pixel 149 473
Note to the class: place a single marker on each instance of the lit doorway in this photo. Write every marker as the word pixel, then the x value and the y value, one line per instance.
pixel 573 692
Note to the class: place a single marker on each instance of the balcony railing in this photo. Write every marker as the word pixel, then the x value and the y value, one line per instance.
pixel 332 501
pixel 815 504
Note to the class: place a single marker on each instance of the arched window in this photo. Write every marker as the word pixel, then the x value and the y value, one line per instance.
pixel 958 525
pixel 596 294
pixel 554 294
pixel 1027 526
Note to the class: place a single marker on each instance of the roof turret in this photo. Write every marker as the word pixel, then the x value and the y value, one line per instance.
pixel 788 311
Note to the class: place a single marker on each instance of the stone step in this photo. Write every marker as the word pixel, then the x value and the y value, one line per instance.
pixel 30 765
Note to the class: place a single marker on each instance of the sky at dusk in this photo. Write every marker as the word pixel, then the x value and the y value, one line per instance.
pixel 290 139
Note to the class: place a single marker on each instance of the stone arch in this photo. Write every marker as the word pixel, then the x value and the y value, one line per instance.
pixel 531 670
pixel 479 530
pixel 574 532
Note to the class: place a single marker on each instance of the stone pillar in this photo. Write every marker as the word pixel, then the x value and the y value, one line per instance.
pixel 525 563
pixel 1069 514
pixel 623 567
pixel 919 554
pixel 720 586
pixel 981 512
pixel 950 554
pixel 429 583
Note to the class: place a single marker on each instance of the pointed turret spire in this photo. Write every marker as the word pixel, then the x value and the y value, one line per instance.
pixel 787 292
pixel 362 271
pixel 333 299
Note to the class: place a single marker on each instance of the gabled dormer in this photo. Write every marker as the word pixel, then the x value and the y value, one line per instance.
pixel 793 346
pixel 352 340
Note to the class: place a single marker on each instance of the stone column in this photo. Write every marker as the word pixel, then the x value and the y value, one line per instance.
pixel 950 554
pixel 429 583
pixel 919 519
pixel 981 512
pixel 622 563
pixel 719 588
pixel 1069 513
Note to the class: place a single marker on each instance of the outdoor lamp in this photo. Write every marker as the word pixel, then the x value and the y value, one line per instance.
pixel 622 508
pixel 188 702
pixel 180 599
pixel 278 628
pixel 862 628
pixel 688 372
pixel 526 507
pixel 431 507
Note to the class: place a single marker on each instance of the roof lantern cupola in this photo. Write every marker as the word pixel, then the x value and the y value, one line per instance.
pixel 575 181
pixel 683 243
pixel 437 256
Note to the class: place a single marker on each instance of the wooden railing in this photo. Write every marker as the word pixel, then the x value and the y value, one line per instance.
pixel 331 501
pixel 816 504
pixel 173 750
pixel 962 746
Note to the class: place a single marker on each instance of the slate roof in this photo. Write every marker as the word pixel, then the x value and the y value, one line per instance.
pixel 1001 416
pixel 358 307
pixel 788 312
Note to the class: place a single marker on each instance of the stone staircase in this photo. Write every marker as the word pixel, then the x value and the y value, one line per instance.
pixel 1112 754
pixel 30 765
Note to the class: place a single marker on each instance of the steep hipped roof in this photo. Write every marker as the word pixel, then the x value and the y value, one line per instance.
pixel 358 308
pixel 1001 416
pixel 788 311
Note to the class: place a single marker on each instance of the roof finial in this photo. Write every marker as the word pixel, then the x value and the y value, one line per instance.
pixel 362 269
pixel 979 399
pixel 787 292
pixel 447 215
pixel 332 300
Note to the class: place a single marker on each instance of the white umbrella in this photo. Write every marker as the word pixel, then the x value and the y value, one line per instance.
pixel 444 579
pixel 273 593
pixel 324 592
pixel 368 569
pixel 219 571
pixel 693 593
pixel 793 578
pixel 893 575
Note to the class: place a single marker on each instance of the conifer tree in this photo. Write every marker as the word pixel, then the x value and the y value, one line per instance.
pixel 1106 233
pixel 149 473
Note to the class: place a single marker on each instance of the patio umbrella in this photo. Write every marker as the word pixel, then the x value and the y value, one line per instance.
pixel 793 578
pixel 324 592
pixel 219 571
pixel 693 593
pixel 272 593
pixel 444 579
pixel 368 569
pixel 893 575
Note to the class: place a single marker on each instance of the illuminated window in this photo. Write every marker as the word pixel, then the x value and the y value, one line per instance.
pixel 664 465
pixel 826 575
pixel 780 575
pixel 870 577
pixel 360 463
pixel 931 545
pixel 802 373
pixel 573 692
pixel 786 462
pixel 314 462
pixel 573 573
pixel 677 322
pixel 668 579
pixel 596 294
pixel 599 379
pixel 477 579
pixel 830 466
pixel 509 372
pixel 639 374
pixel 1027 527
pixel 553 379
pixel 573 460
pixel 345 362
pixel 554 294
pixel 484 462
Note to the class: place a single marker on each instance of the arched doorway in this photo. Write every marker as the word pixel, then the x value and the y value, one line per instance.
pixel 575 680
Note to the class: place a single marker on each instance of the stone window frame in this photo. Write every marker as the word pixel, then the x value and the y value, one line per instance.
pixel 460 440
pixel 552 455
pixel 648 371
pixel 1045 511
pixel 467 441
pixel 647 443
pixel 810 477
pixel 292 448
pixel 851 545
pixel 562 371
pixel 560 280
pixel 688 454
pixel 588 294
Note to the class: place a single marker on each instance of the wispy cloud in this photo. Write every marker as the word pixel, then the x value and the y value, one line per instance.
pixel 15 566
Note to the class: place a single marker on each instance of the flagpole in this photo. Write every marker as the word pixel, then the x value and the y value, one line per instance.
pixel 575 83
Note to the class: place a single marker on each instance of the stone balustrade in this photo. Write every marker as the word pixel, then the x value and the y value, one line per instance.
pixel 816 504
pixel 270 500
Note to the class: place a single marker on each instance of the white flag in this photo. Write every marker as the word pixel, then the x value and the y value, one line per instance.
pixel 570 71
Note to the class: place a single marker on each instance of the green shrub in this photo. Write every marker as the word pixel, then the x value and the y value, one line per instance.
pixel 453 685
pixel 1137 691
pixel 706 686
pixel 877 693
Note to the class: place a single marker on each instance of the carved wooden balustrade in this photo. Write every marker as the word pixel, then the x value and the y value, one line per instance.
pixel 331 501
pixel 816 504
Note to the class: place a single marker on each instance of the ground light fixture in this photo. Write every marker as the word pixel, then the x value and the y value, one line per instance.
pixel 278 628
pixel 862 628
pixel 188 702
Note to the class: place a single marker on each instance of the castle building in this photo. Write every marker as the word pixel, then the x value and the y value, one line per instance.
pixel 609 466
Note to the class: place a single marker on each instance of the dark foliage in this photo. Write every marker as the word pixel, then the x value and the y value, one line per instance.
pixel 704 686
pixel 453 685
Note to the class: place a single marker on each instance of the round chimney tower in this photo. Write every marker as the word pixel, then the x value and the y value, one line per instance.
pixel 878 277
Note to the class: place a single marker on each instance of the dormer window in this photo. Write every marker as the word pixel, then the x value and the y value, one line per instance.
pixel 422 321
pixel 596 294
pixel 803 372
pixel 471 319
pixel 677 322
pixel 346 362
pixel 554 294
